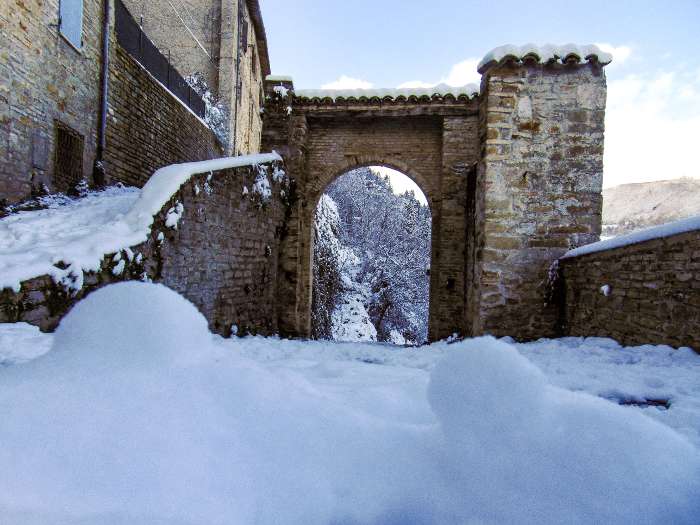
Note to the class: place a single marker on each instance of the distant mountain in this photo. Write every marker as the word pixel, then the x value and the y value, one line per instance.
pixel 631 207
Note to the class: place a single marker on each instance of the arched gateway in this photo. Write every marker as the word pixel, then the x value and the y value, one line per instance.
pixel 512 172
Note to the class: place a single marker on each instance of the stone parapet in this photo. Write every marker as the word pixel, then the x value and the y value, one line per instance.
pixel 648 292
pixel 222 255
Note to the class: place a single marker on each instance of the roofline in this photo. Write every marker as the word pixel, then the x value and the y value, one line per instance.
pixel 260 37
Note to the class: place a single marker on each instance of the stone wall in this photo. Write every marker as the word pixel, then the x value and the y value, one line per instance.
pixel 540 180
pixel 43 79
pixel 653 295
pixel 148 127
pixel 223 256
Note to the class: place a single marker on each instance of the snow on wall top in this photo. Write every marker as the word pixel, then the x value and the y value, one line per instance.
pixel 545 53
pixel 81 232
pixel 438 91
pixel 657 232
pixel 279 78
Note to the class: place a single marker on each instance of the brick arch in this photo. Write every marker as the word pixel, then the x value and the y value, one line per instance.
pixel 435 144
pixel 365 162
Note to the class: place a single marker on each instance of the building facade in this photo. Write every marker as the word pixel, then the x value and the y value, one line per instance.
pixel 54 110
pixel 49 95
pixel 224 41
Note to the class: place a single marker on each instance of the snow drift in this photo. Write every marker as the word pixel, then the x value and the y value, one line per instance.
pixel 139 415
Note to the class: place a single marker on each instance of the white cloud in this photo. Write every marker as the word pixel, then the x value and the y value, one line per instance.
pixel 415 84
pixel 651 128
pixel 463 73
pixel 460 74
pixel 346 82
pixel 620 53
pixel 401 183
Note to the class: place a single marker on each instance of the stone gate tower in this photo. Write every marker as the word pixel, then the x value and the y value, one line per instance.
pixel 512 171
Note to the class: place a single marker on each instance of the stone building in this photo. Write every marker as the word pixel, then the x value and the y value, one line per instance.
pixel 49 95
pixel 224 40
pixel 54 89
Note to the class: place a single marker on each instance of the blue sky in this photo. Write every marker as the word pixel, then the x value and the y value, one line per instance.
pixel 653 118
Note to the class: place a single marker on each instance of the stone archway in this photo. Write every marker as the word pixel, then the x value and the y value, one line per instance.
pixel 435 143
pixel 513 174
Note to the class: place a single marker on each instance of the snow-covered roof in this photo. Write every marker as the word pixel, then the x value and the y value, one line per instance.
pixel 81 232
pixel 544 53
pixel 657 232
pixel 279 78
pixel 438 91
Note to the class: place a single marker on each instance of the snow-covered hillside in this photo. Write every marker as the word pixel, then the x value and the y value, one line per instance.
pixel 631 207
pixel 138 414
pixel 371 256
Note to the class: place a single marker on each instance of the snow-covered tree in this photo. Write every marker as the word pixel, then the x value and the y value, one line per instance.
pixel 216 112
pixel 327 264
pixel 389 237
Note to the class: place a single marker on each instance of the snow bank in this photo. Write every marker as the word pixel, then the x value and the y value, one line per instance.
pixel 544 53
pixel 81 232
pixel 22 342
pixel 279 78
pixel 78 232
pixel 393 93
pixel 603 368
pixel 158 421
pixel 657 232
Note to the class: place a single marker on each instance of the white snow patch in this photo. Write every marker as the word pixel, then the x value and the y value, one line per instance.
pixel 350 320
pixel 281 91
pixel 279 78
pixel 657 232
pixel 544 53
pixel 440 90
pixel 119 268
pixel 140 415
pixel 262 185
pixel 278 174
pixel 22 342
pixel 174 215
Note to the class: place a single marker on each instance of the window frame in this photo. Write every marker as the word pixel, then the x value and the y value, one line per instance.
pixel 68 10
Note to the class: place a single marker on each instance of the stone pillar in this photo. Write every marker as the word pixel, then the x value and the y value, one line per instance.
pixel 448 283
pixel 541 171
pixel 285 133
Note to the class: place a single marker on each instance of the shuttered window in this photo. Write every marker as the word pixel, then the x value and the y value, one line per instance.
pixel 71 21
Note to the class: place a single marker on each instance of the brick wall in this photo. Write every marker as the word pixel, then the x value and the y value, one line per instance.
pixel 147 127
pixel 223 256
pixel 654 294
pixel 43 79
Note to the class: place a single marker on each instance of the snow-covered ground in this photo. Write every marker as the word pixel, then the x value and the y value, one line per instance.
pixel 79 232
pixel 136 413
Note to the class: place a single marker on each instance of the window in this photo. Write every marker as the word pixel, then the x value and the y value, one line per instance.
pixel 68 159
pixel 70 21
